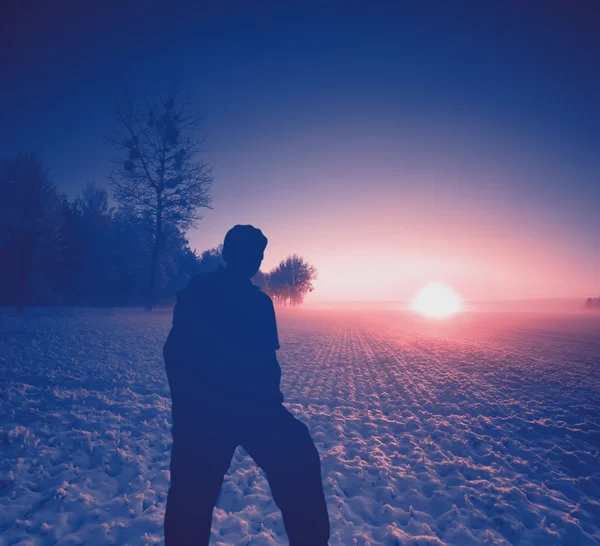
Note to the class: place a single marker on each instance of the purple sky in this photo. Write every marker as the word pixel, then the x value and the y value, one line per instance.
pixel 390 144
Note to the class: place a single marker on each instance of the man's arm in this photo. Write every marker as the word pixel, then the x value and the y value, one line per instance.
pixel 190 351
pixel 271 327
pixel 271 348
pixel 176 347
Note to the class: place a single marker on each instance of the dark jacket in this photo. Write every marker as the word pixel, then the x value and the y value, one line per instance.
pixel 221 348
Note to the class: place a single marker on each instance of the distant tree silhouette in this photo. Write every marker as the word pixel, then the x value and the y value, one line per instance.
pixel 105 252
pixel 87 265
pixel 592 303
pixel 130 251
pixel 177 264
pixel 30 218
pixel 287 284
pixel 291 280
pixel 158 173
pixel 131 248
pixel 210 260
pixel 85 252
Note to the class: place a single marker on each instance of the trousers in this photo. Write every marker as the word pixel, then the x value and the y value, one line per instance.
pixel 280 444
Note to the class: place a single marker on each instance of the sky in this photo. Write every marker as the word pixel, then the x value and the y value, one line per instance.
pixel 391 144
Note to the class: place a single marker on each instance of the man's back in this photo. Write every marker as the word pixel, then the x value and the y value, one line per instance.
pixel 222 346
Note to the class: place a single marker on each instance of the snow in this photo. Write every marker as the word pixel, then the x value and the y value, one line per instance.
pixel 480 429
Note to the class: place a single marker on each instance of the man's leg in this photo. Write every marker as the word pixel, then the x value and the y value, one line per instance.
pixel 281 445
pixel 200 457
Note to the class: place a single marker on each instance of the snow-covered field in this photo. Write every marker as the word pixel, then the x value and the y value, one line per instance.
pixel 484 429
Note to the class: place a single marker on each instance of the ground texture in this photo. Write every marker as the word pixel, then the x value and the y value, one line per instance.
pixel 484 429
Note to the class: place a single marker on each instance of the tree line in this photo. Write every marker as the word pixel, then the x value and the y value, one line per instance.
pixel 56 251
pixel 287 283
pixel 592 303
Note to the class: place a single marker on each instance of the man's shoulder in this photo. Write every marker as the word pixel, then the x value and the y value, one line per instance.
pixel 261 295
pixel 215 285
pixel 198 282
pixel 200 279
pixel 263 299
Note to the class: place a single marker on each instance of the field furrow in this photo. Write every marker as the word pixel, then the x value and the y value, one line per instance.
pixel 482 431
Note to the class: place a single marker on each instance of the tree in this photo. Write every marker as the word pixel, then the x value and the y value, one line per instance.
pixel 159 173
pixel 177 264
pixel 30 212
pixel 131 247
pixel 210 260
pixel 592 303
pixel 291 280
pixel 87 229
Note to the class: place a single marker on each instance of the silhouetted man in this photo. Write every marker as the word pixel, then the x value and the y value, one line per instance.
pixel 224 379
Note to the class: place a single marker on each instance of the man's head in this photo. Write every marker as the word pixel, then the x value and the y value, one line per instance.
pixel 243 250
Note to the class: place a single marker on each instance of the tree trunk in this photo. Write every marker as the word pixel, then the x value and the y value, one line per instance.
pixel 155 254
pixel 22 274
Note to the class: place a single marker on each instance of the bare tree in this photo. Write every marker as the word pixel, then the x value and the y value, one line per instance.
pixel 159 172
pixel 29 213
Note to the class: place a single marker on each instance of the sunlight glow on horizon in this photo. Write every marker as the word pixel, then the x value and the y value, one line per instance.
pixel 484 246
pixel 437 300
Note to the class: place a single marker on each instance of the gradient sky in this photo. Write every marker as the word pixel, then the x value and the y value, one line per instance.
pixel 389 143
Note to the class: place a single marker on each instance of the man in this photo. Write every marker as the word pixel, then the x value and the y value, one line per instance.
pixel 224 379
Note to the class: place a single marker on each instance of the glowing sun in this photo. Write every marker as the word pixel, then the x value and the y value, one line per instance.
pixel 437 300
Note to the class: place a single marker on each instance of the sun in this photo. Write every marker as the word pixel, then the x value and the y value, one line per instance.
pixel 437 300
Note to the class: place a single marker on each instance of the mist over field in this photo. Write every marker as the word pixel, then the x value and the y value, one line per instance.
pixel 557 306
pixel 480 429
